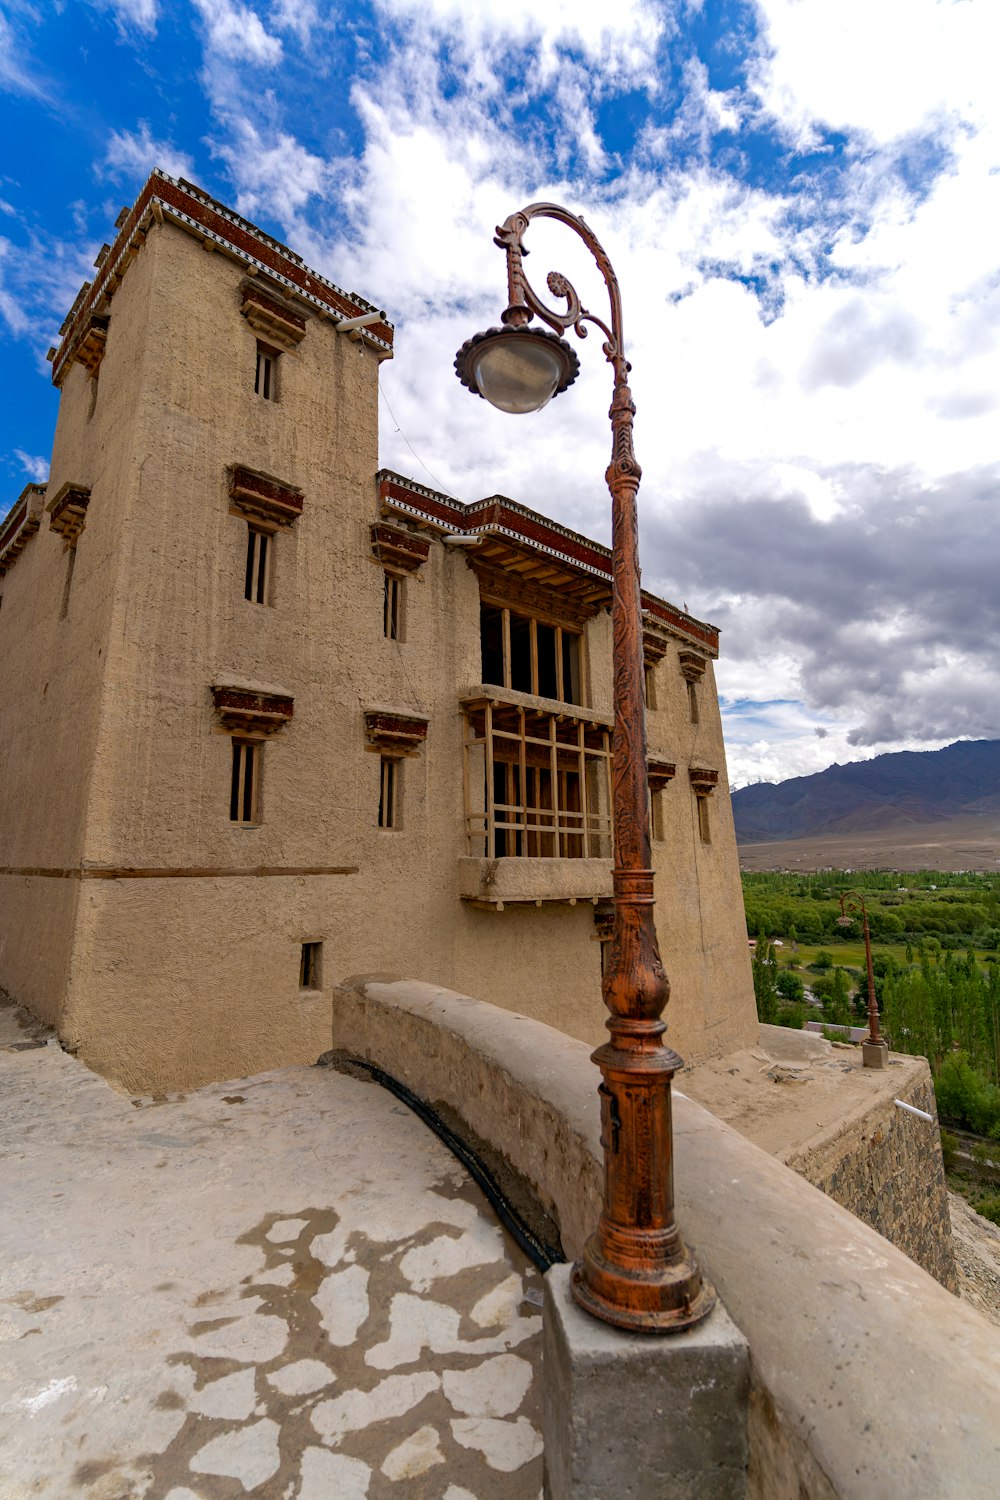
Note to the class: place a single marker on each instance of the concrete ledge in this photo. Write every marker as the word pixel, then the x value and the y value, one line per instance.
pixel 870 1381
pixel 534 879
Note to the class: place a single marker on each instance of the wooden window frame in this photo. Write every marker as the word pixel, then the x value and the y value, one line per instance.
pixel 260 558
pixel 561 632
pixel 244 784
pixel 389 800
pixel 704 819
pixel 543 763
pixel 393 605
pixel 311 966
pixel 265 383
pixel 693 709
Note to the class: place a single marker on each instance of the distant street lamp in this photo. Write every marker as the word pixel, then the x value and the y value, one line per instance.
pixel 636 1271
pixel 875 1053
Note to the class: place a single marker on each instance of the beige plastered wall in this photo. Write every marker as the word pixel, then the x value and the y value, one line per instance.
pixel 53 667
pixel 699 898
pixel 173 981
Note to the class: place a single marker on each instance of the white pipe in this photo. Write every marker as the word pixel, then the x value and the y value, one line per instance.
pixel 456 539
pixel 911 1109
pixel 364 321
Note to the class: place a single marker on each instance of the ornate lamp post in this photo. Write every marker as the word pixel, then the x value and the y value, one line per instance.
pixel 875 1053
pixel 636 1271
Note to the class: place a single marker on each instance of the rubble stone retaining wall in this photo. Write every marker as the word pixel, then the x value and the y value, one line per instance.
pixel 887 1168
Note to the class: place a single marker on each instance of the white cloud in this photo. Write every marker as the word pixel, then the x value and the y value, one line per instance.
pixel 132 155
pixel 133 15
pixel 275 175
pixel 19 73
pixel 621 39
pixel 12 309
pixel 37 469
pixel 236 32
pixel 886 69
pixel 300 17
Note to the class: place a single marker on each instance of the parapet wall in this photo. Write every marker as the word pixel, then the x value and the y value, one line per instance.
pixel 870 1380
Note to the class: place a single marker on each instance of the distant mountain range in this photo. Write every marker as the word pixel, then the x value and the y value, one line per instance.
pixel 911 786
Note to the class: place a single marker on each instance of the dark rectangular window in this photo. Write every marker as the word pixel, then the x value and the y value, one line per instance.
pixel 258 570
pixel 392 608
pixel 491 636
pixel 692 688
pixel 649 683
pixel 529 655
pixel 310 973
pixel 266 378
pixel 244 786
pixel 388 798
pixel 704 826
pixel 548 675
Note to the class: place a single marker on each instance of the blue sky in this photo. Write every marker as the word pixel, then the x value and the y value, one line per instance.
pixel 801 203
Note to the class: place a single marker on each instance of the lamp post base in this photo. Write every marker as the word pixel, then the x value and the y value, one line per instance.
pixel 875 1054
pixel 667 1299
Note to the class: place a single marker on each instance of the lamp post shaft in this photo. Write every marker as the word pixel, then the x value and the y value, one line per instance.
pixel 874 1047
pixel 636 1271
pixel 874 1034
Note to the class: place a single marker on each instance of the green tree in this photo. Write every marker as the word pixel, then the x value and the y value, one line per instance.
pixel 790 986
pixel 765 986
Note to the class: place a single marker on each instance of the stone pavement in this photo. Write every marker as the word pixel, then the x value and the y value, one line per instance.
pixel 284 1287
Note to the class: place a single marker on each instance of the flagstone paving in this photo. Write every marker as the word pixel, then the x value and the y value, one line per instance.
pixel 282 1287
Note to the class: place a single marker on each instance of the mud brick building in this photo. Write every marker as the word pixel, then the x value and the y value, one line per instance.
pixel 274 717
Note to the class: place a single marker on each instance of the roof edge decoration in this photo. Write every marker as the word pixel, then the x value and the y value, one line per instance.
pixel 20 526
pixel 182 203
pixel 496 515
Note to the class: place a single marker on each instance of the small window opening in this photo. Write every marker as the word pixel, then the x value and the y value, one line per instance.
pixel 310 973
pixel 649 684
pixel 656 816
pixel 244 786
pixel 257 585
pixel 704 826
pixel 266 379
pixel 693 703
pixel 388 799
pixel 392 609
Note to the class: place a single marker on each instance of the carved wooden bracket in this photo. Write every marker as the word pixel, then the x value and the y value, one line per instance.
pixel 395 548
pixel 68 511
pixel 273 319
pixel 90 350
pixel 660 772
pixel 261 497
pixel 21 525
pixel 604 920
pixel 249 711
pixel 509 590
pixel 692 666
pixel 395 734
pixel 654 646
pixel 703 781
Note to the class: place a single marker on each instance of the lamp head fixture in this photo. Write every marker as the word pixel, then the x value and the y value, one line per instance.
pixel 517 368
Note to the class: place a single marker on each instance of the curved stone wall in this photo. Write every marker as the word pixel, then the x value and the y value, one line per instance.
pixel 870 1381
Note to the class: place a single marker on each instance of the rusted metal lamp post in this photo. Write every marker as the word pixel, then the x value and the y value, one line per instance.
pixel 875 1053
pixel 636 1272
